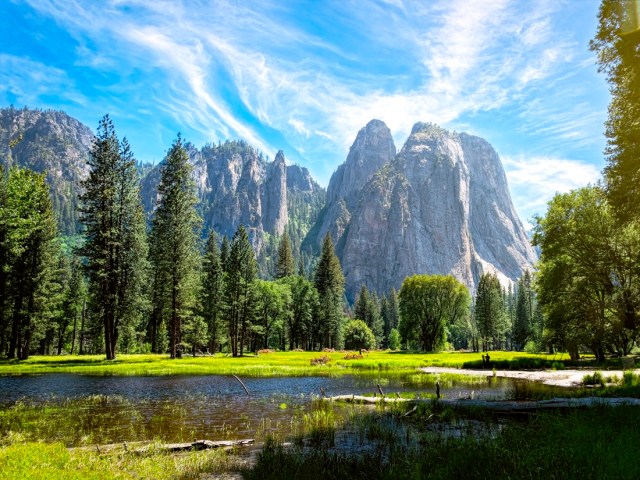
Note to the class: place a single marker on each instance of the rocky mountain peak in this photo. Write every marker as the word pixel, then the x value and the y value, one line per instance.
pixel 441 206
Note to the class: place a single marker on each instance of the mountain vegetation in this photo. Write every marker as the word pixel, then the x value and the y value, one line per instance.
pixel 299 273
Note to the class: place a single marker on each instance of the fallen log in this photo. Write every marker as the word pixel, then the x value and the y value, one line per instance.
pixel 146 447
pixel 504 405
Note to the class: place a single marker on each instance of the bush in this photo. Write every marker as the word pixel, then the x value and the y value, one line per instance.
pixel 594 379
pixel 531 347
pixel 353 356
pixel 358 336
pixel 321 360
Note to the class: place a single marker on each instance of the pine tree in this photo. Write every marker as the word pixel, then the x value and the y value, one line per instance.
pixel 31 250
pixel 3 258
pixel 239 296
pixel 285 266
pixel 367 309
pixel 489 311
pixel 115 236
pixel 175 235
pixel 212 290
pixel 225 253
pixel 522 328
pixel 329 282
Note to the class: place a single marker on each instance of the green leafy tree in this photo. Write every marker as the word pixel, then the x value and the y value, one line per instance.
pixel 175 237
pixel 617 45
pixel 394 339
pixel 239 293
pixel 115 236
pixel 358 336
pixel 211 296
pixel 428 304
pixel 588 279
pixel 285 266
pixel 273 308
pixel 225 253
pixel 329 282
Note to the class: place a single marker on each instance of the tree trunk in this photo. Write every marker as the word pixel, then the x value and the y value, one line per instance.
pixel 15 326
pixel 81 339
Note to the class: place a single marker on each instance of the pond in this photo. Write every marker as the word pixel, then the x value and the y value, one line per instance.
pixel 181 408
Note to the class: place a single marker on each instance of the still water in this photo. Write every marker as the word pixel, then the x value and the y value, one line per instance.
pixel 181 408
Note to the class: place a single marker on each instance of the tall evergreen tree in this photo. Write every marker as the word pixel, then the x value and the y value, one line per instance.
pixel 239 295
pixel 489 311
pixel 522 327
pixel 285 266
pixel 329 282
pixel 3 258
pixel 31 252
pixel 367 309
pixel 175 235
pixel 115 235
pixel 225 253
pixel 212 290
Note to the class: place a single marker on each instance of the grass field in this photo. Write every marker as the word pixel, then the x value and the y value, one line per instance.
pixel 271 364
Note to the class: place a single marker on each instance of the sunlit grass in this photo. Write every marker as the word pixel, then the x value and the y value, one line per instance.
pixel 36 460
pixel 267 365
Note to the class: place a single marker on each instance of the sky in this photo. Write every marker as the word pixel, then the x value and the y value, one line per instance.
pixel 305 76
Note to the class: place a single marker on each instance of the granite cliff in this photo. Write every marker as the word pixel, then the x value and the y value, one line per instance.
pixel 442 205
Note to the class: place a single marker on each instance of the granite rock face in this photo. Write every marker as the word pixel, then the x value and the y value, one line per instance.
pixel 372 149
pixel 53 142
pixel 442 206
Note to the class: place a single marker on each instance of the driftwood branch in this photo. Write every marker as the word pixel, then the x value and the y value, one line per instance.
pixel 505 405
pixel 146 447
pixel 241 383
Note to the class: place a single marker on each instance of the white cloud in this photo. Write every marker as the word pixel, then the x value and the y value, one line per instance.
pixel 534 180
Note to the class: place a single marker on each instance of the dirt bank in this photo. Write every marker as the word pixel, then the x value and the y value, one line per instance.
pixel 561 378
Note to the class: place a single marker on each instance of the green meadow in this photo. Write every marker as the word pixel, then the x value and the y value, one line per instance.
pixel 272 364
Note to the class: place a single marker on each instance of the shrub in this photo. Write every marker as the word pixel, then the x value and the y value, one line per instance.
pixel 353 356
pixel 594 379
pixel 321 360
pixel 358 336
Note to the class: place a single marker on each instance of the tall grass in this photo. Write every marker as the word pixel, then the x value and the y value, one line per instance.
pixel 595 443
pixel 267 365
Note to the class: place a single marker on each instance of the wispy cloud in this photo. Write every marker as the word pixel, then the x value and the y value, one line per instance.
pixel 312 74
pixel 535 180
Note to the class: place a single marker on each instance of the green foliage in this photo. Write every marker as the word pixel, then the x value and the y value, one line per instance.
pixel 174 253
pixel 28 260
pixel 273 308
pixel 239 293
pixel 285 266
pixel 588 278
pixel 115 244
pixel 428 304
pixel 394 339
pixel 303 325
pixel 490 314
pixel 329 282
pixel 617 45
pixel 367 309
pixel 523 326
pixel 358 336
pixel 211 294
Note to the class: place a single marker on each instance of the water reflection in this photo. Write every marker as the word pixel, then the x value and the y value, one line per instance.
pixel 181 408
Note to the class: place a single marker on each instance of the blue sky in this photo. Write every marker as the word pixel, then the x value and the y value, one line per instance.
pixel 305 76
